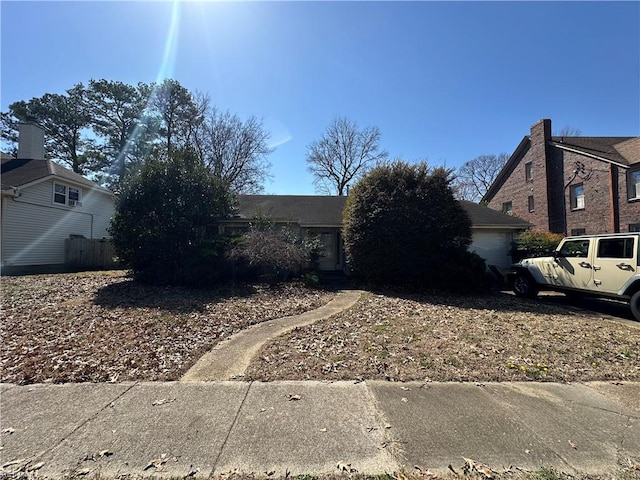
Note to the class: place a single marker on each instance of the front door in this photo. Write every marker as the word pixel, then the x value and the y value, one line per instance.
pixel 330 257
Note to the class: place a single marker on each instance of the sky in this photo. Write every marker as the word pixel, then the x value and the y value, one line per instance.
pixel 444 82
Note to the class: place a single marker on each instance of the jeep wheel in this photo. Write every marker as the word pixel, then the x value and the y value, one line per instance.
pixel 635 305
pixel 524 286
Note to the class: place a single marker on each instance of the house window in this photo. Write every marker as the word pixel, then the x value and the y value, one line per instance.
pixel 507 207
pixel 634 227
pixel 578 231
pixel 577 196
pixel 531 203
pixel 64 195
pixel 633 182
pixel 60 194
pixel 528 171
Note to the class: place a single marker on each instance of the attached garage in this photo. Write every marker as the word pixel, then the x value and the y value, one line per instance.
pixel 493 233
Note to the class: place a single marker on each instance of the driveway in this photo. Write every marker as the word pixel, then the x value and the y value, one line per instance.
pixel 609 309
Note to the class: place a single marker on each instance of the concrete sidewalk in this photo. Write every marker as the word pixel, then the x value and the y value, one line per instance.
pixel 201 429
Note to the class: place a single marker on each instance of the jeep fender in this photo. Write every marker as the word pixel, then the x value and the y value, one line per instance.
pixel 630 287
pixel 530 269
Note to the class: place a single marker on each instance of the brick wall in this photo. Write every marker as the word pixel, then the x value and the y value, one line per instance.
pixel 517 190
pixel 596 216
pixel 629 209
pixel 552 169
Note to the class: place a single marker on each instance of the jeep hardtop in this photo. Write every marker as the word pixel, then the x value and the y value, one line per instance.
pixel 606 266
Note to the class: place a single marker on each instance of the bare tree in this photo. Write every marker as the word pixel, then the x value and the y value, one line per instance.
pixel 343 154
pixel 474 177
pixel 568 132
pixel 233 150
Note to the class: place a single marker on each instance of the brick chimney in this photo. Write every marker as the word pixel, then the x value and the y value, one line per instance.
pixel 30 141
pixel 552 169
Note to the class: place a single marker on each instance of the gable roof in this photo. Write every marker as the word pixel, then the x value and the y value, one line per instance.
pixel 482 216
pixel 19 173
pixel 326 211
pixel 602 148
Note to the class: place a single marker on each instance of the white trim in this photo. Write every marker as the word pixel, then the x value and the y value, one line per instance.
pixel 591 155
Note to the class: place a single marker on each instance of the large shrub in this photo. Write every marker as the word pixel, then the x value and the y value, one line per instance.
pixel 273 254
pixel 403 226
pixel 534 243
pixel 165 225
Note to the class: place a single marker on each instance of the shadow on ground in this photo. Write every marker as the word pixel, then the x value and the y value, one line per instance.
pixel 131 294
pixel 505 301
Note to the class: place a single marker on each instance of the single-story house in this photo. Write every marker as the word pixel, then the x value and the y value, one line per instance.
pixel 44 204
pixel 493 232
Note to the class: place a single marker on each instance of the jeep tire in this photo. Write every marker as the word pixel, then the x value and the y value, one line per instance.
pixel 635 305
pixel 524 286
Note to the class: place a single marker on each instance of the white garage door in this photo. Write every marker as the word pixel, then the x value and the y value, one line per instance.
pixel 494 246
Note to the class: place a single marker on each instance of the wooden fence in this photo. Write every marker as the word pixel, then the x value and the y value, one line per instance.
pixel 89 253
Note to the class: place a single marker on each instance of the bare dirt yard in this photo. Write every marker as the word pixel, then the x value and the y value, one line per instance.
pixel 102 326
pixel 493 337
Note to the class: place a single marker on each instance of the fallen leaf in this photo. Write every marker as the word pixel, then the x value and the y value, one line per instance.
pixel 35 467
pixel 13 462
pixel 105 453
pixel 471 466
pixel 157 462
pixel 294 397
pixel 346 468
pixel 573 445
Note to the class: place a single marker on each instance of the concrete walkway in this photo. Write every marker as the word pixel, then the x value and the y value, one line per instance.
pixel 181 430
pixel 230 358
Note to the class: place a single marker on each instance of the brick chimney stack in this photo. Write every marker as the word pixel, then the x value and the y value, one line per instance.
pixel 30 141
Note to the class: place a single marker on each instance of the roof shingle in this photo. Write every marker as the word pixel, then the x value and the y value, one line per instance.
pixel 316 210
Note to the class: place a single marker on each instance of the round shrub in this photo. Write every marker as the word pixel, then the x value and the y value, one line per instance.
pixel 165 228
pixel 403 226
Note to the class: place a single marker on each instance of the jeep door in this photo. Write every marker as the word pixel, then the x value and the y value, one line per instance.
pixel 616 260
pixel 573 267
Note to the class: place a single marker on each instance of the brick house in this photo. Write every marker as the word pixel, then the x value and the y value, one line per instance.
pixel 571 185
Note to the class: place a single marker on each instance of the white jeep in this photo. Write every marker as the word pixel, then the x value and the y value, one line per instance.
pixel 606 266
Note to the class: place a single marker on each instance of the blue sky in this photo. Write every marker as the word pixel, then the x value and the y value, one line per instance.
pixel 444 81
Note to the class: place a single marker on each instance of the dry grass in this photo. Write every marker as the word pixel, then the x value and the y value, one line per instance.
pixel 104 327
pixel 453 338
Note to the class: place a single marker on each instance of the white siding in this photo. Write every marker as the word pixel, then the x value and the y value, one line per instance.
pixel 493 245
pixel 101 206
pixel 34 228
